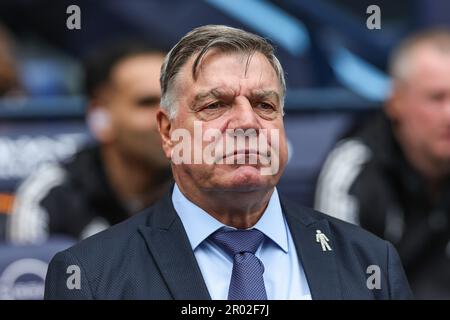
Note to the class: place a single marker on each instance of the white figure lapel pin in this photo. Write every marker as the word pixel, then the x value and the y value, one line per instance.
pixel 323 240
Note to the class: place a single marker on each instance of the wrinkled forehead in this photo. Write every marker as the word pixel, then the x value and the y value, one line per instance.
pixel 201 60
pixel 230 71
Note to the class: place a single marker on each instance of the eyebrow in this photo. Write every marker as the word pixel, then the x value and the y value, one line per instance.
pixel 213 93
pixel 264 94
pixel 217 93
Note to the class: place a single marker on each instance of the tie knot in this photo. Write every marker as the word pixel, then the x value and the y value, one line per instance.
pixel 238 241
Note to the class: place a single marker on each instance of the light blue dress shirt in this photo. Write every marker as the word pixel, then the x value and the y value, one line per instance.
pixel 284 277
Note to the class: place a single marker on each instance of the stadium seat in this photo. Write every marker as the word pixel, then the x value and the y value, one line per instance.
pixel 34 132
pixel 23 268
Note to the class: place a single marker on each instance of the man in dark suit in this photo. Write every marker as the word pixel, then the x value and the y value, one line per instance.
pixel 223 232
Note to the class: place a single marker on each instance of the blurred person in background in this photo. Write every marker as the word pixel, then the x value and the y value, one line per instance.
pixel 393 176
pixel 124 172
pixel 9 86
pixel 9 76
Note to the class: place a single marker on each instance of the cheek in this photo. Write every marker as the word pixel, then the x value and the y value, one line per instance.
pixel 420 112
pixel 277 137
pixel 143 120
pixel 423 119
pixel 282 154
pixel 283 151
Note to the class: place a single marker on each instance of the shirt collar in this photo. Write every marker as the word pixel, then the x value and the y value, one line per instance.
pixel 273 224
pixel 199 225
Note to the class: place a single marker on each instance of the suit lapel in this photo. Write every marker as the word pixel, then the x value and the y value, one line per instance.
pixel 168 244
pixel 320 266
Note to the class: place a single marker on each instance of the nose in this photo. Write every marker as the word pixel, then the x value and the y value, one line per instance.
pixel 243 115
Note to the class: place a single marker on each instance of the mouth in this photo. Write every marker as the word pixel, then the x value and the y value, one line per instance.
pixel 246 152
pixel 251 157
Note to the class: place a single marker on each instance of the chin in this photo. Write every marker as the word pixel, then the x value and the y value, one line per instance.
pixel 247 178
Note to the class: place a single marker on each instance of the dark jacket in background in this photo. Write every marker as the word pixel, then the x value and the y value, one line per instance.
pixel 367 180
pixel 74 199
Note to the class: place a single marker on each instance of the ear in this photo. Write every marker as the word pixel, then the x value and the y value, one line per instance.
pixel 393 107
pixel 100 123
pixel 164 128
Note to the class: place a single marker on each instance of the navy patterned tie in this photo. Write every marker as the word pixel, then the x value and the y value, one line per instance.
pixel 247 281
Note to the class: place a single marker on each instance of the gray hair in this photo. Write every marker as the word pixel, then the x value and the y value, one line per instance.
pixel 201 40
pixel 399 62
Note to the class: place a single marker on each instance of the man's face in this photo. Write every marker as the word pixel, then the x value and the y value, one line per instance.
pixel 133 102
pixel 421 105
pixel 228 95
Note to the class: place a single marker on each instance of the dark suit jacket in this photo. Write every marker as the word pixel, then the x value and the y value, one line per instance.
pixel 149 257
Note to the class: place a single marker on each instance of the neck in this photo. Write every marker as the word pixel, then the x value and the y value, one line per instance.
pixel 238 209
pixel 133 181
